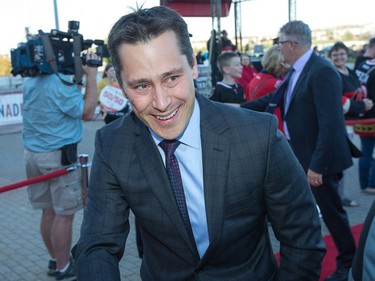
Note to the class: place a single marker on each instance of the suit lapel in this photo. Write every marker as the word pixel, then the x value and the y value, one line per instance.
pixel 301 78
pixel 215 161
pixel 158 181
pixel 216 148
pixel 298 83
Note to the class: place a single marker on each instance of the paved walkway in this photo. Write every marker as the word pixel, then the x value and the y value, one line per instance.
pixel 22 253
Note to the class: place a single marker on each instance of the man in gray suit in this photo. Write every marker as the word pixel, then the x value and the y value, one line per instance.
pixel 237 170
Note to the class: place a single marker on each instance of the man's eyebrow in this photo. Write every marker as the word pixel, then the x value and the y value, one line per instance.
pixel 172 72
pixel 135 82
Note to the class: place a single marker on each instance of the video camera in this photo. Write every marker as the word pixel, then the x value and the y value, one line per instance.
pixel 56 51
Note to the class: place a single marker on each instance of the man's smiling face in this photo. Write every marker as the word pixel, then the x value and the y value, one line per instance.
pixel 158 81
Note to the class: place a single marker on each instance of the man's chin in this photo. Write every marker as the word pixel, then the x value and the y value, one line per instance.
pixel 167 133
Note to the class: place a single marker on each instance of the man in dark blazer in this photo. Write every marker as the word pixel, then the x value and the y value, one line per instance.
pixel 237 170
pixel 314 126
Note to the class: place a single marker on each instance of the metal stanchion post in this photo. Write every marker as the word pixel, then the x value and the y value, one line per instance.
pixel 83 162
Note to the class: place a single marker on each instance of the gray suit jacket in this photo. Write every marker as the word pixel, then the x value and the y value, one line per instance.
pixel 250 173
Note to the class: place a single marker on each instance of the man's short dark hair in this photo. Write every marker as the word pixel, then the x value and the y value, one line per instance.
pixel 142 26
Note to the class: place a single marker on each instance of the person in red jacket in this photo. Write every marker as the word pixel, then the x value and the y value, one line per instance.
pixel 248 72
pixel 268 79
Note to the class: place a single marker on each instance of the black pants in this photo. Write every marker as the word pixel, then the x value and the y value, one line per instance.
pixel 336 219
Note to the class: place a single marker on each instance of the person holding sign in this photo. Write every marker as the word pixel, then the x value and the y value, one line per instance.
pixel 112 102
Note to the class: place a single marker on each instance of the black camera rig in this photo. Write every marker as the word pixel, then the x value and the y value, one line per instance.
pixel 56 52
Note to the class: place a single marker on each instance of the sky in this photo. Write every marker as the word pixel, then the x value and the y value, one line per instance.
pixel 259 17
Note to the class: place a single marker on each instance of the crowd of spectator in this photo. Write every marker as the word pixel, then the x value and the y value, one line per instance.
pixel 353 83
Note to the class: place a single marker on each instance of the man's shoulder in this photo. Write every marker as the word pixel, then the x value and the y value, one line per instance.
pixel 318 62
pixel 40 78
pixel 50 81
pixel 233 115
pixel 319 67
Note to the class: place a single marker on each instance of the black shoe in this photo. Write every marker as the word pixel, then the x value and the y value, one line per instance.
pixel 51 268
pixel 67 275
pixel 341 274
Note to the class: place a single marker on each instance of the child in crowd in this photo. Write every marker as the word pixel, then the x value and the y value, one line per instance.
pixel 227 90
pixel 248 73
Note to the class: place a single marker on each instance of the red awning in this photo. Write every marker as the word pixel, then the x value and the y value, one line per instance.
pixel 196 8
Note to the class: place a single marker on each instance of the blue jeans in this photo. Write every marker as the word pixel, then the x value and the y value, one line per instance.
pixel 366 164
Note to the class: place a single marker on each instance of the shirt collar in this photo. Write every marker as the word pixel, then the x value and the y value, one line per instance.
pixel 301 62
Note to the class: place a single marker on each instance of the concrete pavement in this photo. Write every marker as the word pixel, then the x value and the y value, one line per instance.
pixel 22 253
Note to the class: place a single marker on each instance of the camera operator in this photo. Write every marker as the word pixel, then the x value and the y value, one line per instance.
pixel 52 128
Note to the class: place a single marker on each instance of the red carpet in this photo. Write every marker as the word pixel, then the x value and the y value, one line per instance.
pixel 329 261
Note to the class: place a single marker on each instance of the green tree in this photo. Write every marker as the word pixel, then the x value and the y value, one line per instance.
pixel 5 65
pixel 348 36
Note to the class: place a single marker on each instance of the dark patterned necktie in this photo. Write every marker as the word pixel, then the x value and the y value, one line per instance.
pixel 173 171
pixel 278 97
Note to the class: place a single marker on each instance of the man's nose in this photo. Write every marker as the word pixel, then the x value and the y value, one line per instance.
pixel 161 99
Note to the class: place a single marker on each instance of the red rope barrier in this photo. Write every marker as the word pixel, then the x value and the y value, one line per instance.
pixel 36 179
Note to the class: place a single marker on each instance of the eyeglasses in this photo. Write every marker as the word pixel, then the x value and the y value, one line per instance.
pixel 286 41
pixel 335 55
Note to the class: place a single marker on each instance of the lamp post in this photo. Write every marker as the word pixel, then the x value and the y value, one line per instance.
pixel 292 7
pixel 56 14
